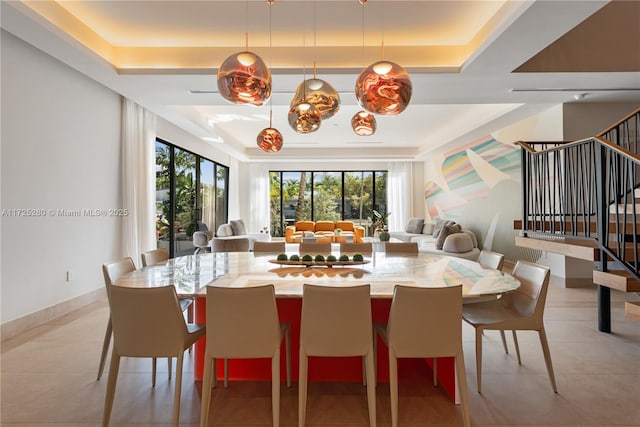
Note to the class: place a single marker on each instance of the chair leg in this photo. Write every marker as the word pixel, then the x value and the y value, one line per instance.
pixel 479 358
pixel 111 388
pixel 435 372
pixel 287 349
pixel 170 366
pixel 209 371
pixel 105 348
pixel 393 388
pixel 371 388
pixel 275 388
pixel 461 374
pixel 226 373
pixel 153 372
pixel 504 342
pixel 302 388
pixel 547 358
pixel 177 393
pixel 515 343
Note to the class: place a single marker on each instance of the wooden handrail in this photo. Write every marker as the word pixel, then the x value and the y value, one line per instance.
pixel 619 122
pixel 620 150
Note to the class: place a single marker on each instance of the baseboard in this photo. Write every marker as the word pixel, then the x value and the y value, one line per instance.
pixel 24 323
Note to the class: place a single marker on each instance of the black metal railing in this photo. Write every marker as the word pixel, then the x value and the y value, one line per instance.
pixel 587 189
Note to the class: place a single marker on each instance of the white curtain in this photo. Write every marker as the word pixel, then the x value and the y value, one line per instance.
pixel 138 179
pixel 258 197
pixel 399 194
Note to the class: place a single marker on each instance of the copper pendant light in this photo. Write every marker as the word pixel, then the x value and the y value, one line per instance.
pixel 363 123
pixel 384 87
pixel 321 94
pixel 304 118
pixel 270 139
pixel 243 78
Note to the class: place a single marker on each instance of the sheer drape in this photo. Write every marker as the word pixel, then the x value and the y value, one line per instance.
pixel 399 194
pixel 258 197
pixel 138 179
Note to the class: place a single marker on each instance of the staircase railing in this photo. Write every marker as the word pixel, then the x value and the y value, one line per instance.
pixel 586 190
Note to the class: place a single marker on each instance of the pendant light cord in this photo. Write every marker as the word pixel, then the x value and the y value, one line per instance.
pixel 270 68
pixel 382 29
pixel 315 52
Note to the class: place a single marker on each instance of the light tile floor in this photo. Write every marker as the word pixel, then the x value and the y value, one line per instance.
pixel 48 377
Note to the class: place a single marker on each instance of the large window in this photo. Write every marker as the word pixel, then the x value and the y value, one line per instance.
pixel 297 196
pixel 191 195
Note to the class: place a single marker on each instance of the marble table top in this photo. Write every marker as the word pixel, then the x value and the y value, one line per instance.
pixel 191 274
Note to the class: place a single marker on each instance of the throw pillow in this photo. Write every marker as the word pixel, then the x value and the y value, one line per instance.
pixel 238 227
pixel 440 223
pixel 224 230
pixel 427 228
pixel 445 232
pixel 458 243
pixel 414 226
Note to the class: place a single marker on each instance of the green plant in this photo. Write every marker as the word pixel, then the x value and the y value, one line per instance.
pixel 380 220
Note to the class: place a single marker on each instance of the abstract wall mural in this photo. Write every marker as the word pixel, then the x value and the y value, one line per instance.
pixel 478 186
pixel 470 173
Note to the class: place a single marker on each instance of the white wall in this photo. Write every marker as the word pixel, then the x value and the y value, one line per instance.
pixel 60 150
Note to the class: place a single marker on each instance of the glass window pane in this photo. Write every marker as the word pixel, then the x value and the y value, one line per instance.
pixel 185 202
pixel 296 195
pixel 222 197
pixel 381 192
pixel 207 195
pixel 358 196
pixel 327 196
pixel 276 198
pixel 163 202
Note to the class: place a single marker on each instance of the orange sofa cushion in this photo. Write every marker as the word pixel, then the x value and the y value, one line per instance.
pixel 305 226
pixel 345 225
pixel 325 226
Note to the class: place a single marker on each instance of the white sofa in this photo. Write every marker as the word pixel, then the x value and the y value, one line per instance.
pixel 235 229
pixel 443 237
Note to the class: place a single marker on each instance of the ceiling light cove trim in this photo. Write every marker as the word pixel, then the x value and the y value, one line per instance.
pixel 578 89
pixel 342 153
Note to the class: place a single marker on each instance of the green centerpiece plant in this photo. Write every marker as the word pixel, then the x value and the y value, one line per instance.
pixel 380 225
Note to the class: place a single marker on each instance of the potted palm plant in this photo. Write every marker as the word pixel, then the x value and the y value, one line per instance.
pixel 380 225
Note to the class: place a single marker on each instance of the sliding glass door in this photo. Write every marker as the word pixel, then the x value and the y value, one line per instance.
pixel 191 195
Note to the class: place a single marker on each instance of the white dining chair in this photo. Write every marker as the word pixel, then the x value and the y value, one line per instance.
pixel 522 309
pixel 425 322
pixel 336 321
pixel 243 323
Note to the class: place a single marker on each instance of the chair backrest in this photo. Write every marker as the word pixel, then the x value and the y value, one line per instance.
pixel 491 259
pixel 155 257
pixel 113 270
pixel 336 321
pixel 356 248
pixel 315 248
pixel 201 239
pixel 242 322
pixel 401 248
pixel 269 247
pixel 530 298
pixel 240 244
pixel 425 321
pixel 147 322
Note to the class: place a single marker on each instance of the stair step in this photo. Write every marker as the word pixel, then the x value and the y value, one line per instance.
pixel 580 249
pixel 632 310
pixel 619 280
pixel 573 248
pixel 628 208
pixel 580 226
